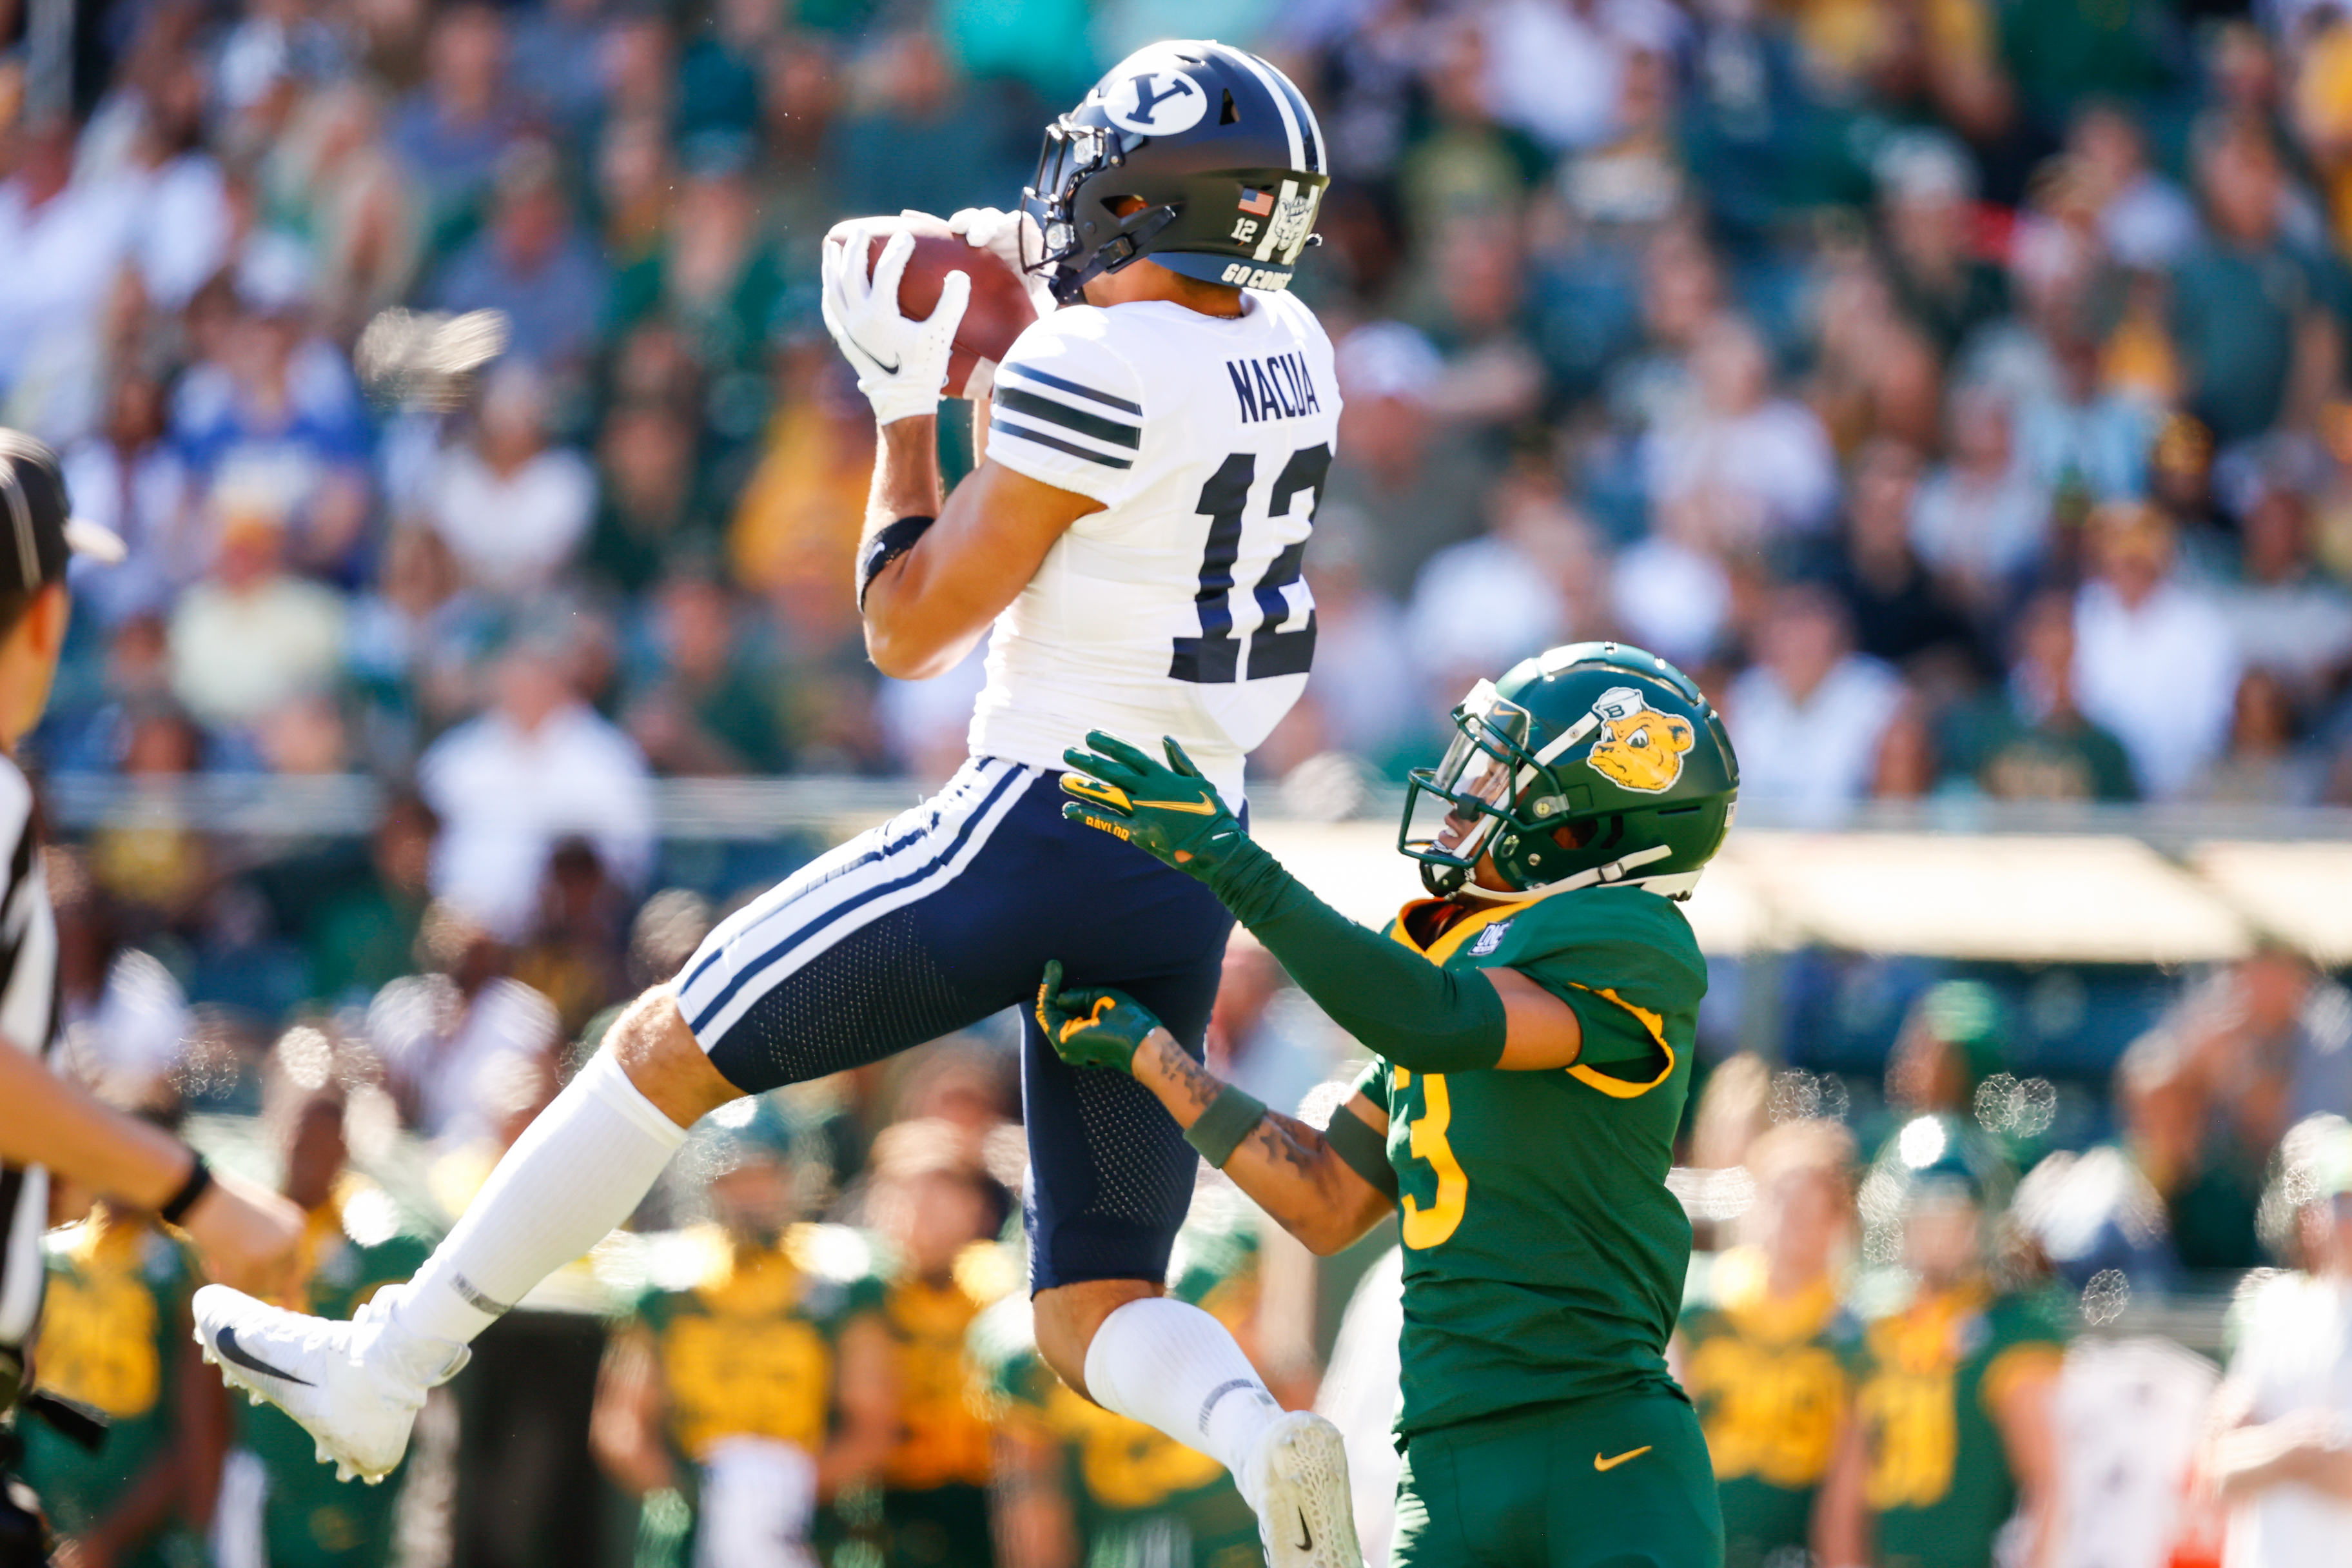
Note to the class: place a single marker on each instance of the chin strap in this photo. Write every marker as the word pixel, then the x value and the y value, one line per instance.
pixel 1612 872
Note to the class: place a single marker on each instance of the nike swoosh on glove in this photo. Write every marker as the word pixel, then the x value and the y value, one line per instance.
pixel 902 364
pixel 1169 810
pixel 1092 1027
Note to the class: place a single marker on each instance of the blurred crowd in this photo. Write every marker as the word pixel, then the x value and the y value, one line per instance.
pixel 1958 388
pixel 1929 1320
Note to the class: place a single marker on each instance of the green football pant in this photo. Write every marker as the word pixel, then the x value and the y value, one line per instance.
pixel 1619 1483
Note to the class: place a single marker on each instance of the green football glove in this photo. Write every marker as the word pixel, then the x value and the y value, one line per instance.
pixel 1167 809
pixel 1091 1028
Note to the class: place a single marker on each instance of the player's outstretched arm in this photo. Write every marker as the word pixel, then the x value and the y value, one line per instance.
pixel 1326 1189
pixel 1406 1009
pixel 247 1233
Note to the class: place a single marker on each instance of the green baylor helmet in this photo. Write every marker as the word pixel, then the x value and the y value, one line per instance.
pixel 1593 762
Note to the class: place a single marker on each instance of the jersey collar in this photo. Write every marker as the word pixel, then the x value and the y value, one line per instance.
pixel 1449 941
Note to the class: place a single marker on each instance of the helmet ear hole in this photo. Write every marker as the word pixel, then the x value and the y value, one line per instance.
pixel 1229 115
pixel 1570 835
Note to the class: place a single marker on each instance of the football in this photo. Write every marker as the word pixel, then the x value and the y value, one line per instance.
pixel 1000 307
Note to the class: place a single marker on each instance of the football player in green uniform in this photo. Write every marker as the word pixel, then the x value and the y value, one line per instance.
pixel 1951 1433
pixel 115 1336
pixel 937 1212
pixel 1763 1345
pixel 740 1398
pixel 356 1241
pixel 1533 1023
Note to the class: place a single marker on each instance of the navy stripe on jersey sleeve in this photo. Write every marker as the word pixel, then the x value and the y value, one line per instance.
pixel 1117 432
pixel 1061 383
pixel 999 427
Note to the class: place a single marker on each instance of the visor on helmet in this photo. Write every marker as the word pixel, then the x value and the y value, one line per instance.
pixel 1457 804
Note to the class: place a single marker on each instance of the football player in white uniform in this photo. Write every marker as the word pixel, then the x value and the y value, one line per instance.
pixel 1156 447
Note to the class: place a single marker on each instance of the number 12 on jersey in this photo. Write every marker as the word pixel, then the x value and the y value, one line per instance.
pixel 1214 657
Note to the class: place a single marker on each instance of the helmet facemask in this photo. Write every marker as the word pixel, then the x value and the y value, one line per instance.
pixel 1072 154
pixel 1453 811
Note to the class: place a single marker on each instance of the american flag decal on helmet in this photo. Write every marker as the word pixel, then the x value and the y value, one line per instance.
pixel 1256 203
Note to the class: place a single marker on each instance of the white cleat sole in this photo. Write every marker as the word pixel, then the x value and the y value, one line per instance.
pixel 1305 1512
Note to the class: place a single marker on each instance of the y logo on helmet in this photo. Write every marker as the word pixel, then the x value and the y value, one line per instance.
pixel 1155 102
pixel 1638 746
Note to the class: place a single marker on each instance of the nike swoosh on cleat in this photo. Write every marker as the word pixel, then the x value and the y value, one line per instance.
pixel 228 1346
pixel 1610 1463
pixel 1306 1536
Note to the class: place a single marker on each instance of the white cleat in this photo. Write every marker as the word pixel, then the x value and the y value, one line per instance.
pixel 356 1386
pixel 1299 1481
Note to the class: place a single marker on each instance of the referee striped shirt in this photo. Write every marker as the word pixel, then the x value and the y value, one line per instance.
pixel 28 1020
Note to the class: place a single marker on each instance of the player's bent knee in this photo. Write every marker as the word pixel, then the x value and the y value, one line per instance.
pixel 1068 1316
pixel 659 1051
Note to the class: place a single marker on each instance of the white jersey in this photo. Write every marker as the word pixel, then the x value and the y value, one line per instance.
pixel 1179 608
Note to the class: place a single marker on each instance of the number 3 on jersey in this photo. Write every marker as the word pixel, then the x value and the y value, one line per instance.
pixel 1427 1228
pixel 1214 657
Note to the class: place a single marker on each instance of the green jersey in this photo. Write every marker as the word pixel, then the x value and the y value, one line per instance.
pixel 112 1330
pixel 1543 1255
pixel 309 1518
pixel 747 1340
pixel 748 1349
pixel 1928 1379
pixel 1769 1380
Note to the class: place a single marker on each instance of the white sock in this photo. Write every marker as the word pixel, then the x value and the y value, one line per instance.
pixel 1170 1365
pixel 576 1172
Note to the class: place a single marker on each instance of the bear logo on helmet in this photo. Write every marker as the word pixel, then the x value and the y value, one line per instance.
pixel 1638 747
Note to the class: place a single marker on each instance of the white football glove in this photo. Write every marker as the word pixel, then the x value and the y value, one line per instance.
pixel 902 364
pixel 1002 234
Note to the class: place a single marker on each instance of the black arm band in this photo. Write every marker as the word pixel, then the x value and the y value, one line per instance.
pixel 1406 1009
pixel 1231 1117
pixel 892 540
pixel 199 1182
pixel 1362 1151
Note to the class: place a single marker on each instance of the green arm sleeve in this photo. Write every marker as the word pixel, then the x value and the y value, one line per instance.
pixel 1405 1008
pixel 1363 1151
